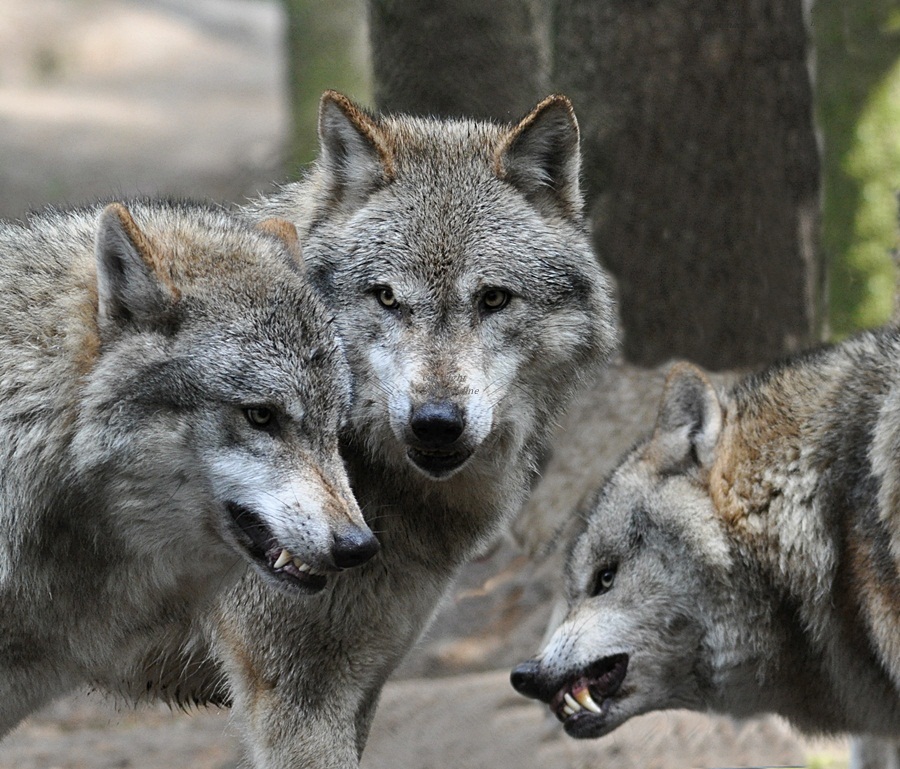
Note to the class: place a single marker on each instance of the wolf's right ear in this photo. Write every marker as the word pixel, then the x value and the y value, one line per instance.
pixel 286 233
pixel 689 421
pixel 353 150
pixel 541 157
pixel 129 289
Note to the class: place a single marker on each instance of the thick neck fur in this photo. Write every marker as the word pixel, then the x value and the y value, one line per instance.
pixel 794 485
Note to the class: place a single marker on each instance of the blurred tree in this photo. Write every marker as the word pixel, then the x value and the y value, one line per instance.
pixel 327 48
pixel 702 171
pixel 467 57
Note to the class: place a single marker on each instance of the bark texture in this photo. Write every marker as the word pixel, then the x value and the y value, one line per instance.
pixel 702 171
pixel 467 57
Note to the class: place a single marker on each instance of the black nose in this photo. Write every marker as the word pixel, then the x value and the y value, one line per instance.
pixel 437 423
pixel 525 679
pixel 353 546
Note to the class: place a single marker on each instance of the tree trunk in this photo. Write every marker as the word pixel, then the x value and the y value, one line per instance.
pixel 702 171
pixel 468 57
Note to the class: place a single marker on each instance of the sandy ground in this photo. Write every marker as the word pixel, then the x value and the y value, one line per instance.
pixel 106 98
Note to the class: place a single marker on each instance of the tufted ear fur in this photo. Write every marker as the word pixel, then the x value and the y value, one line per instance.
pixel 540 156
pixel 689 421
pixel 285 232
pixel 352 150
pixel 131 288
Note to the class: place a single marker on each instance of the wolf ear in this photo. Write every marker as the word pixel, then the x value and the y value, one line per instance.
pixel 129 290
pixel 286 233
pixel 689 421
pixel 540 156
pixel 353 150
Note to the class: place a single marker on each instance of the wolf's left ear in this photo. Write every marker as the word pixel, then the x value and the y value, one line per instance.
pixel 130 290
pixel 353 150
pixel 540 156
pixel 286 233
pixel 689 421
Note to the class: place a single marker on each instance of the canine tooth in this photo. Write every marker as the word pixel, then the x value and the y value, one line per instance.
pixel 572 702
pixel 283 558
pixel 568 711
pixel 584 698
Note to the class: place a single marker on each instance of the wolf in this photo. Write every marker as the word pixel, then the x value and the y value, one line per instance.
pixel 172 393
pixel 471 305
pixel 744 557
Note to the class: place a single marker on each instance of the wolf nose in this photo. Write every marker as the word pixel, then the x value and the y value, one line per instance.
pixel 437 423
pixel 524 679
pixel 353 547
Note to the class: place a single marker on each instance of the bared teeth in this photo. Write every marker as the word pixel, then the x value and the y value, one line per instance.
pixel 583 696
pixel 571 702
pixel 283 559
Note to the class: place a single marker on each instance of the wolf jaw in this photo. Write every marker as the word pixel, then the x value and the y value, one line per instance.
pixel 267 555
pixel 583 703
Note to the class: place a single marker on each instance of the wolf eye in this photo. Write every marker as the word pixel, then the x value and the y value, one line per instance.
pixel 386 298
pixel 603 582
pixel 260 417
pixel 494 299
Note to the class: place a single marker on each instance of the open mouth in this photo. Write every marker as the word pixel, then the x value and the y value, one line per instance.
pixel 276 561
pixel 437 462
pixel 584 702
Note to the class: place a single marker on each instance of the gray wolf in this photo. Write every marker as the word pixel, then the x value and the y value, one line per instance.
pixel 171 396
pixel 744 557
pixel 471 305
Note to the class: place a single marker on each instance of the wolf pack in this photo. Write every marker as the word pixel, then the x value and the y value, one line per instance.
pixel 244 453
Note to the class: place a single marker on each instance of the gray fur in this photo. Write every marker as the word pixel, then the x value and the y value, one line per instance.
pixel 440 212
pixel 131 341
pixel 757 575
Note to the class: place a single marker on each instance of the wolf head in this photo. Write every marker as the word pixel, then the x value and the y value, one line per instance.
pixel 643 580
pixel 212 405
pixel 464 286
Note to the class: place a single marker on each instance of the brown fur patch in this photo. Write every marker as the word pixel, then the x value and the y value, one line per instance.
pixel 756 441
pixel 286 232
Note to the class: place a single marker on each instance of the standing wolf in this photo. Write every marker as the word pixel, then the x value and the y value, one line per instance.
pixel 455 258
pixel 745 557
pixel 171 395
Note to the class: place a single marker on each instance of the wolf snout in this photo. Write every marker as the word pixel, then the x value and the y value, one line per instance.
pixel 437 424
pixel 353 546
pixel 527 680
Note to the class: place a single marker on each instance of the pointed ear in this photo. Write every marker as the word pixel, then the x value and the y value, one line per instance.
pixel 286 233
pixel 540 157
pixel 689 421
pixel 129 290
pixel 353 150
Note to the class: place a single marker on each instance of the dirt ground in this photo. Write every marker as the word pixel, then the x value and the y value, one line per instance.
pixel 106 98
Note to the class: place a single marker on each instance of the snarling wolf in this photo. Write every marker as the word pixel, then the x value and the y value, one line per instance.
pixel 171 397
pixel 455 258
pixel 744 558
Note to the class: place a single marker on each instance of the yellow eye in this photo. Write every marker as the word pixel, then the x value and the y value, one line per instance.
pixel 386 298
pixel 259 416
pixel 494 299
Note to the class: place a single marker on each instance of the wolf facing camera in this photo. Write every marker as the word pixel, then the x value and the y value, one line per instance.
pixel 455 258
